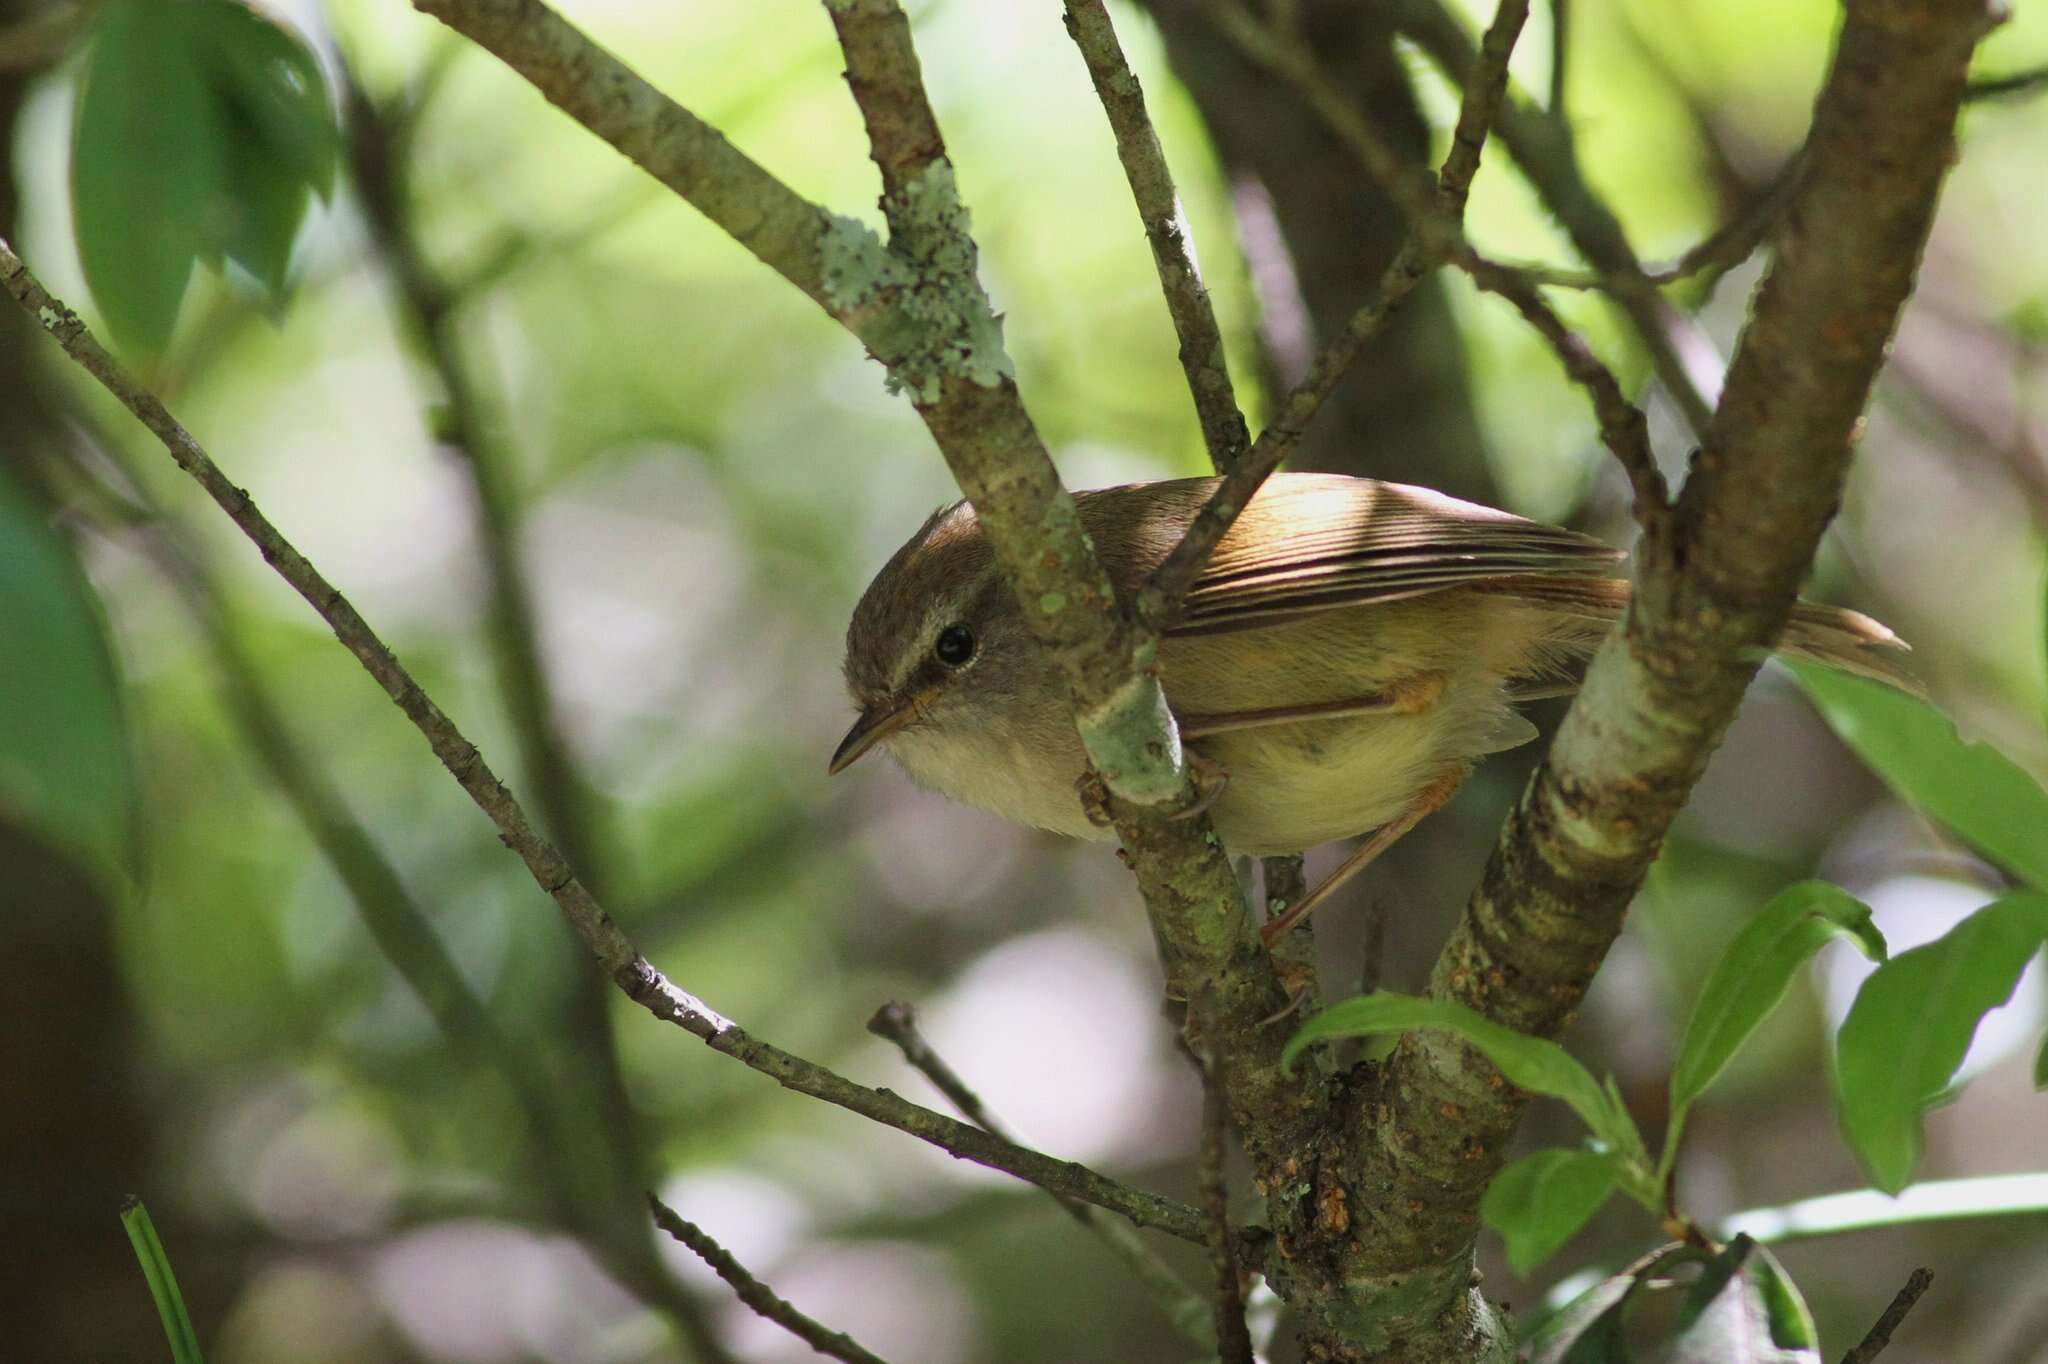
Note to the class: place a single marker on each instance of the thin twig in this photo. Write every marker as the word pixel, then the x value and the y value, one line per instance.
pixel 2019 83
pixel 1560 47
pixel 759 1296
pixel 614 951
pixel 1233 1339
pixel 1282 881
pixel 398 924
pixel 1713 256
pixel 1543 146
pixel 1622 426
pixel 381 152
pixel 896 1022
pixel 1880 1335
pixel 1407 182
pixel 1159 208
pixel 1434 234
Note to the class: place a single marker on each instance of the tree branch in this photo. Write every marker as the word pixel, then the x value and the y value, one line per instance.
pixel 1434 234
pixel 1541 143
pixel 1623 429
pixel 1159 208
pixel 759 1296
pixel 1709 602
pixel 402 930
pixel 896 1023
pixel 609 944
pixel 1880 1334
pixel 1233 1341
pixel 429 308
pixel 918 306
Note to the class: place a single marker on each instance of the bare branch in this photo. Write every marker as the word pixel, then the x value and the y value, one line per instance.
pixel 759 1296
pixel 1213 959
pixel 1622 426
pixel 1159 208
pixel 2018 85
pixel 1730 244
pixel 1542 144
pixel 896 1022
pixel 613 950
pixel 1434 234
pixel 380 149
pixel 398 924
pixel 1560 50
pixel 1234 1342
pixel 1880 1335
pixel 1709 602
pixel 1282 881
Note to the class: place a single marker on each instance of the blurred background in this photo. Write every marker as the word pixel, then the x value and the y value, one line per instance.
pixel 611 489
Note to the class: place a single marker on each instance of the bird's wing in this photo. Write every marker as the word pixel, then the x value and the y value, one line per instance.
pixel 1311 542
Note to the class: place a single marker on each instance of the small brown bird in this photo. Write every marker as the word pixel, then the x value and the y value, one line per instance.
pixel 1352 649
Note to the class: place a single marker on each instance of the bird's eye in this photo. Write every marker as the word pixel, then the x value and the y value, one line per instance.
pixel 954 646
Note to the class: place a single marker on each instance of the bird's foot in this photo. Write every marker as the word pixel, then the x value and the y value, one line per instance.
pixel 1094 799
pixel 1210 778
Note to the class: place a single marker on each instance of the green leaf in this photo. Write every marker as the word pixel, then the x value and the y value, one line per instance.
pixel 146 168
pixel 1743 1310
pixel 1912 1023
pixel 1533 1063
pixel 163 1285
pixel 1540 1202
pixel 203 130
pixel 2041 1065
pixel 1588 1329
pixel 64 757
pixel 275 83
pixel 1974 789
pixel 278 137
pixel 1752 976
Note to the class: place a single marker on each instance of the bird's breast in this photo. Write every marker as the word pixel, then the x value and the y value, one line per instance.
pixel 1029 779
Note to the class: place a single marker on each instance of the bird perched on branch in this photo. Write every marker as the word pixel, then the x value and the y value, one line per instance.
pixel 1351 650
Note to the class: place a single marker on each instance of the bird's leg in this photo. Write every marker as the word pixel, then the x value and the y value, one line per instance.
pixel 1432 798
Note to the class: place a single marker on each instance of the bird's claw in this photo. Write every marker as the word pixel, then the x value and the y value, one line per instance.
pixel 1210 778
pixel 1094 799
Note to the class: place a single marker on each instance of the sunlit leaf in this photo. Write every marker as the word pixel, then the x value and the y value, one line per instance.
pixel 1743 1310
pixel 146 169
pixel 64 761
pixel 1533 1063
pixel 1539 1202
pixel 1753 974
pixel 1911 1026
pixel 1972 788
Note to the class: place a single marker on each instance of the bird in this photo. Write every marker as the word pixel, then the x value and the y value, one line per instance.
pixel 1350 651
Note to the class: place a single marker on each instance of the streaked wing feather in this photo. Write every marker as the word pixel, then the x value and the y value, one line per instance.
pixel 1316 543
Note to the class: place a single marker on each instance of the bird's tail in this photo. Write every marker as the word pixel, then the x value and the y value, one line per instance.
pixel 1584 608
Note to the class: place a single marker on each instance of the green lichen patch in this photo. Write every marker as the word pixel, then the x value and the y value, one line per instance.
pixel 931 321
pixel 858 271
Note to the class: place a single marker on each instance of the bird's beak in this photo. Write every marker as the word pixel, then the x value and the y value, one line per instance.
pixel 876 723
